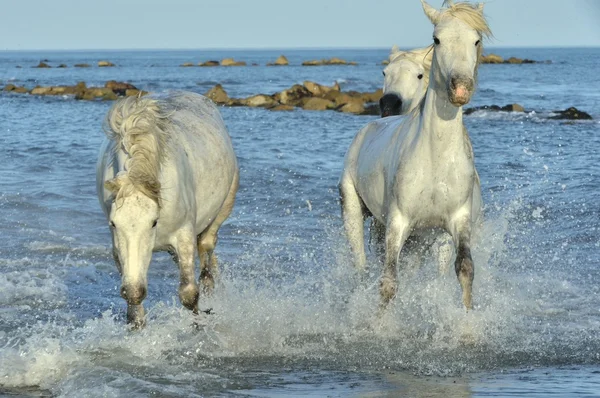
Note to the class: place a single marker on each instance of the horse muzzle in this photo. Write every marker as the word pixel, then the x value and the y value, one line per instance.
pixel 390 105
pixel 460 90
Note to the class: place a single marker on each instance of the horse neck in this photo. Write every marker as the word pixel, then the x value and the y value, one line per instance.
pixel 442 122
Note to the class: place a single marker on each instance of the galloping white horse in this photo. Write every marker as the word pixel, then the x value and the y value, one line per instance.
pixel 418 172
pixel 405 83
pixel 167 178
pixel 405 80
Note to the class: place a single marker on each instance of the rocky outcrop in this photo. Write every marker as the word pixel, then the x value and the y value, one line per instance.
pixel 260 101
pixel 187 64
pixel 209 63
pixel 82 65
pixel 318 104
pixel 112 90
pixel 232 62
pixel 319 90
pixel 491 59
pixel 42 64
pixel 331 61
pixel 494 108
pixel 571 113
pixel 282 108
pixel 217 94
pixel 15 89
pixel 105 64
pixel 355 105
pixel 280 61
pixel 496 59
pixel 119 88
pixel 308 96
pixel 292 96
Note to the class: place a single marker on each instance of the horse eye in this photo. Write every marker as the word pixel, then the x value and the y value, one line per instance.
pixel 477 42
pixel 436 40
pixel 154 223
pixel 420 76
pixel 383 72
pixel 112 225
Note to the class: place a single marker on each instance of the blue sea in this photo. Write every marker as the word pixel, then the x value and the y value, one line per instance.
pixel 289 317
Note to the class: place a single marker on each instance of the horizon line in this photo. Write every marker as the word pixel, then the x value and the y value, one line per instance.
pixel 273 48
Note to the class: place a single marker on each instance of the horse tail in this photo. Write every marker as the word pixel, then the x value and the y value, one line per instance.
pixel 138 126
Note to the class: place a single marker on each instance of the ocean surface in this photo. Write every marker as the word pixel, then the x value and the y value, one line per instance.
pixel 290 317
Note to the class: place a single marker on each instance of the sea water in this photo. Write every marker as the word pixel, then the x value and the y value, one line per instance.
pixel 290 317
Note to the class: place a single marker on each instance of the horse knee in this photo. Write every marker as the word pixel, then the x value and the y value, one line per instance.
pixel 134 294
pixel 188 295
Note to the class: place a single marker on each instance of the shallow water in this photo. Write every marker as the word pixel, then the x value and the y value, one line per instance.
pixel 290 317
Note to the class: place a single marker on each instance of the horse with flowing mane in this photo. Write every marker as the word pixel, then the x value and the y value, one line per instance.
pixel 417 173
pixel 166 177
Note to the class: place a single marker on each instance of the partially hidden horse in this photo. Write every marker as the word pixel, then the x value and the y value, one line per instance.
pixel 405 80
pixel 166 177
pixel 418 173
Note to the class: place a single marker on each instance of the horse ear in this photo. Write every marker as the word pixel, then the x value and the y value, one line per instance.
pixel 116 183
pixel 395 52
pixel 113 185
pixel 431 12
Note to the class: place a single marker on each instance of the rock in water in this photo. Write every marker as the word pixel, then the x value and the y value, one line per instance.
pixel 280 61
pixel 571 113
pixel 217 94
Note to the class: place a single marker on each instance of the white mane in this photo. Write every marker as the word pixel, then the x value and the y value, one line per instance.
pixel 137 125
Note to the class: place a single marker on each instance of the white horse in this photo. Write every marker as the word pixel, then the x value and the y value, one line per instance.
pixel 405 83
pixel 405 80
pixel 417 173
pixel 167 178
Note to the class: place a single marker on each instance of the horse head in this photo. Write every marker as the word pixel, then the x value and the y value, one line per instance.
pixel 405 80
pixel 458 34
pixel 133 221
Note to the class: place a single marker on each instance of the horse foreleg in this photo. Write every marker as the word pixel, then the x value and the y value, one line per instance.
pixel 464 263
pixel 396 233
pixel 353 217
pixel 135 312
pixel 184 254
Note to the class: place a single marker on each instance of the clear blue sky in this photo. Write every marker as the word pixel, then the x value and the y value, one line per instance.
pixel 200 24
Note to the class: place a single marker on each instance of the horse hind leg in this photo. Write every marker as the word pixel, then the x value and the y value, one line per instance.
pixel 443 249
pixel 377 238
pixel 353 217
pixel 183 256
pixel 207 241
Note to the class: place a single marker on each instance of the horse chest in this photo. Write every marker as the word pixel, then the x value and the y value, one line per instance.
pixel 430 191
